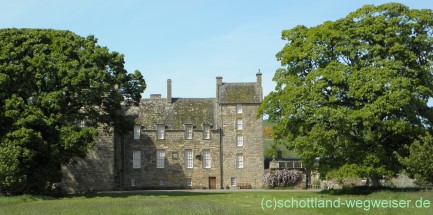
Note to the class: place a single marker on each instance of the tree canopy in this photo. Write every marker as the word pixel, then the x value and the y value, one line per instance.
pixel 352 94
pixel 53 82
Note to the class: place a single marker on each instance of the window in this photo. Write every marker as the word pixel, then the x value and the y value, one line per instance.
pixel 136 159
pixel 160 158
pixel 137 131
pixel 239 161
pixel 239 140
pixel 160 130
pixel 174 155
pixel 238 108
pixel 188 132
pixel 133 182
pixel 82 123
pixel 239 124
pixel 206 158
pixel 233 181
pixel 161 182
pixel 189 182
pixel 206 132
pixel 188 158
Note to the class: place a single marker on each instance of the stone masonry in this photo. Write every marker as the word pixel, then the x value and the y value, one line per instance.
pixel 205 143
pixel 95 171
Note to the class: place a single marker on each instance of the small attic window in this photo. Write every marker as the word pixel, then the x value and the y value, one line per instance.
pixel 239 108
pixel 206 131
pixel 188 131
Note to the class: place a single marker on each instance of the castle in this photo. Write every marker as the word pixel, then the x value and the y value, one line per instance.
pixel 204 143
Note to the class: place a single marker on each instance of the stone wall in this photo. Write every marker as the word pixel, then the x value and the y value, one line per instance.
pixel 109 166
pixel 174 174
pixel 252 149
pixel 95 171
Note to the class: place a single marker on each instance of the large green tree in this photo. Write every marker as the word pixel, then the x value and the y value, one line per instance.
pixel 50 82
pixel 352 94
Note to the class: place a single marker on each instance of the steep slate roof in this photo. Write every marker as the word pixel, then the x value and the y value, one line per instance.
pixel 234 93
pixel 182 111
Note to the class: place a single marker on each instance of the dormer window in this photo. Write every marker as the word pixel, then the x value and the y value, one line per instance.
pixel 188 131
pixel 239 108
pixel 160 131
pixel 206 131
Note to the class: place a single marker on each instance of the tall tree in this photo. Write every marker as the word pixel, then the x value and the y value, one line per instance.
pixel 352 94
pixel 419 163
pixel 51 82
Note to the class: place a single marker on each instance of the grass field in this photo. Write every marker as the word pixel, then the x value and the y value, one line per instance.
pixel 214 203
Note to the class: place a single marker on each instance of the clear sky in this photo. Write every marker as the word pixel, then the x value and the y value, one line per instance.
pixel 189 41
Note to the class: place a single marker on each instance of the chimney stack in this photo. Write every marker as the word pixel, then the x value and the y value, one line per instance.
pixel 169 99
pixel 259 85
pixel 219 82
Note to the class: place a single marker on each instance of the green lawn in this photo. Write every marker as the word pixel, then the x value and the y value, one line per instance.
pixel 210 203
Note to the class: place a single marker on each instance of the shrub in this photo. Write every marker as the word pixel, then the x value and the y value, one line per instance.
pixel 281 178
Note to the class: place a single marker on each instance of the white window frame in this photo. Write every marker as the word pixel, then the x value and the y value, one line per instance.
pixel 239 124
pixel 160 158
pixel 137 132
pixel 239 140
pixel 133 182
pixel 240 161
pixel 233 181
pixel 160 132
pixel 82 123
pixel 239 109
pixel 189 131
pixel 206 131
pixel 189 182
pixel 206 158
pixel 136 159
pixel 189 158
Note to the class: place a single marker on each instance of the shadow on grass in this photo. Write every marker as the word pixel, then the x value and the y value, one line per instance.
pixel 363 190
pixel 127 194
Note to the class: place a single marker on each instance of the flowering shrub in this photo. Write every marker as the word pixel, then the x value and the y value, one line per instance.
pixel 281 178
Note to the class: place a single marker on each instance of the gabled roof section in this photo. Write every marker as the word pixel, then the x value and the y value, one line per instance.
pixel 174 115
pixel 234 93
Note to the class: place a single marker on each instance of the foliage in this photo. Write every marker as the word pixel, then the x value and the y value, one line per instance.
pixel 354 92
pixel 271 148
pixel 347 171
pixel 420 161
pixel 281 178
pixel 267 132
pixel 50 80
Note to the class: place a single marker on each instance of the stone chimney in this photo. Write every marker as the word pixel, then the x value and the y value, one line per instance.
pixel 219 82
pixel 259 88
pixel 169 99
pixel 155 96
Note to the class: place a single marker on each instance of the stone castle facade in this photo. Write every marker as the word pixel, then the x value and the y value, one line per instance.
pixel 206 143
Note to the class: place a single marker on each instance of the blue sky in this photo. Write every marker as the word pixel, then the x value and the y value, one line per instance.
pixel 189 41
